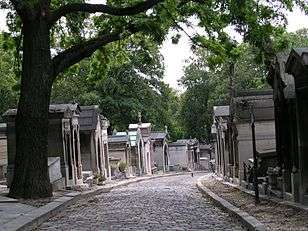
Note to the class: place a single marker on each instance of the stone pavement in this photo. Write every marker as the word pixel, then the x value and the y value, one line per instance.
pixel 170 203
pixel 27 214
pixel 10 210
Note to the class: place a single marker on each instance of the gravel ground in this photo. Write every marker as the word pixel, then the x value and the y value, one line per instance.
pixel 170 203
pixel 275 216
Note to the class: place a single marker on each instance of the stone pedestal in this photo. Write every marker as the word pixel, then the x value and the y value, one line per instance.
pixel 54 169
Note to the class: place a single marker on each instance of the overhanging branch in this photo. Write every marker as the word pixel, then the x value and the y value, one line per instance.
pixel 83 50
pixel 101 8
pixel 78 52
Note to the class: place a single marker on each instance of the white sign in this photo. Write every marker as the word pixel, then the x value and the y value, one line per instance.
pixel 221 110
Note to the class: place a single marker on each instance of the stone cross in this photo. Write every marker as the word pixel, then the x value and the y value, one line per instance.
pixel 139 117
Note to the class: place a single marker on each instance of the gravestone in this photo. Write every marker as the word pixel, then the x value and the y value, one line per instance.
pixel 55 176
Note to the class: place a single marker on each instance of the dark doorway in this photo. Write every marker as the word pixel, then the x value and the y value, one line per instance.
pixel 99 155
pixel 195 156
pixel 77 155
pixel 166 158
pixel 68 156
pixel 106 158
pixel 140 157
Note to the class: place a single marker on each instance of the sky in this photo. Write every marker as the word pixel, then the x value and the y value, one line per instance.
pixel 176 55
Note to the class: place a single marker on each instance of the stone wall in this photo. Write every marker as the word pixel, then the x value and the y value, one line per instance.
pixel 158 155
pixel 3 157
pixel 178 156
pixel 265 140
pixel 55 142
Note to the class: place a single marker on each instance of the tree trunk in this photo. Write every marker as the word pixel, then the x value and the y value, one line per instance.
pixel 31 178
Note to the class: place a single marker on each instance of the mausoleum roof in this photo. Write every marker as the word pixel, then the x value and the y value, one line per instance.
pixel 184 142
pixel 53 108
pixel 301 50
pixel 117 139
pixel 88 117
pixel 143 125
pixel 60 108
pixel 205 146
pixel 297 63
pixel 278 68
pixel 257 93
pixel 262 103
pixel 158 135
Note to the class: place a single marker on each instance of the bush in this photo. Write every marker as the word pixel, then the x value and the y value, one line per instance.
pixel 100 178
pixel 122 166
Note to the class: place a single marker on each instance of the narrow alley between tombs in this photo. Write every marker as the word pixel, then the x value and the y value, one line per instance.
pixel 170 203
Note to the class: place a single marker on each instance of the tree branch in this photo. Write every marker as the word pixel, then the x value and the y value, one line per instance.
pixel 101 8
pixel 17 6
pixel 80 51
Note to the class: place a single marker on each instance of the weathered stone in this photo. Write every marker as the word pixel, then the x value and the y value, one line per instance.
pixel 171 203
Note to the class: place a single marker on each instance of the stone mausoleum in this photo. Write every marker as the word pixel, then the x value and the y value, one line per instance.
pixel 160 154
pixel 288 77
pixel 233 141
pixel 64 158
pixel 94 154
pixel 119 150
pixel 184 154
pixel 145 154
pixel 137 151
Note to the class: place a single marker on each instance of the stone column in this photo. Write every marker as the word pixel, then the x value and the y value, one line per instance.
pixel 93 149
pixel 76 150
pixel 68 172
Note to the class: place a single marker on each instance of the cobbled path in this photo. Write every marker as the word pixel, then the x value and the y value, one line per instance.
pixel 171 203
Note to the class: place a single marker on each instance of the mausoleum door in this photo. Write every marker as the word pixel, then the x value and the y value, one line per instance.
pixel 140 157
pixel 69 178
pixel 106 159
pixel 77 158
pixel 166 159
pixel 99 155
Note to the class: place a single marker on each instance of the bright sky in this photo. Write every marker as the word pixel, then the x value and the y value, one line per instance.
pixel 176 55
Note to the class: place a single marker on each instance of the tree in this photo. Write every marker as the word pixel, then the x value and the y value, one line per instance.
pixel 207 86
pixel 287 41
pixel 194 102
pixel 39 70
pixel 41 22
pixel 131 83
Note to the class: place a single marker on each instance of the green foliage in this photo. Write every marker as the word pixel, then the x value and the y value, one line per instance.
pixel 206 87
pixel 194 106
pixel 8 81
pixel 100 178
pixel 124 78
pixel 286 41
pixel 122 166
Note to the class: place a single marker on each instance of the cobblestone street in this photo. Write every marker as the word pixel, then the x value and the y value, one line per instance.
pixel 171 203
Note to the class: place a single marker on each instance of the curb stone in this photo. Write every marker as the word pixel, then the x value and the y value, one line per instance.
pixel 34 218
pixel 250 222
pixel 266 197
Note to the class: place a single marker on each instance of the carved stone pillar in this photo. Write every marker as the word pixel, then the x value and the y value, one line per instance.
pixel 68 170
pixel 76 151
